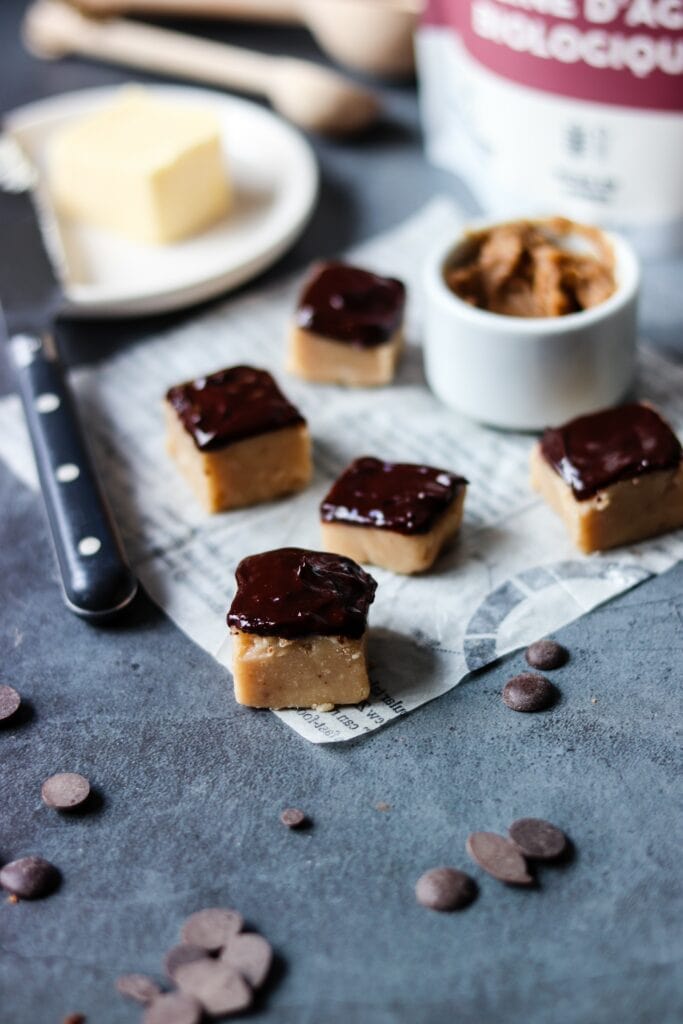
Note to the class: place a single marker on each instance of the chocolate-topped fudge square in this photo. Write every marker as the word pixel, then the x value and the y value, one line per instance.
pixel 614 477
pixel 393 514
pixel 298 624
pixel 236 439
pixel 348 327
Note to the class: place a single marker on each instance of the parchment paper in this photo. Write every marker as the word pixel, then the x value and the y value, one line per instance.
pixel 512 577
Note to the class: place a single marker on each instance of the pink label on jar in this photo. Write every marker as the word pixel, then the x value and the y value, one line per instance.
pixel 623 52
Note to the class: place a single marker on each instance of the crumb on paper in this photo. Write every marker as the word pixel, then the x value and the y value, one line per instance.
pixel 594 700
pixel 13 898
pixel 382 806
pixel 75 1018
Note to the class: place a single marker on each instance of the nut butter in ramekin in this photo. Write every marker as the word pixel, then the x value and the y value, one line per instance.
pixel 514 365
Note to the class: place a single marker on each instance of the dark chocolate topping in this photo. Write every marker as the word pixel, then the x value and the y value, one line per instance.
pixel 231 405
pixel 592 452
pixel 351 305
pixel 293 592
pixel 396 496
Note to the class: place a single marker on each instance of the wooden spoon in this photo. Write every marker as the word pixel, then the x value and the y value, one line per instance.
pixel 311 96
pixel 374 36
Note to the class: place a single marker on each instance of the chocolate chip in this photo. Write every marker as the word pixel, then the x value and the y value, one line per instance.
pixel 29 877
pixel 529 692
pixel 445 889
pixel 546 654
pixel 9 702
pixel 138 987
pixel 292 817
pixel 218 987
pixel 173 1008
pixel 538 839
pixel 65 791
pixel 499 857
pixel 211 928
pixel 182 954
pixel 251 955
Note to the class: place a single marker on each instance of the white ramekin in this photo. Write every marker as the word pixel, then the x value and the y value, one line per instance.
pixel 522 373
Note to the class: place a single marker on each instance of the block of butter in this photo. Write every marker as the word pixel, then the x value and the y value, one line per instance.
pixel 141 167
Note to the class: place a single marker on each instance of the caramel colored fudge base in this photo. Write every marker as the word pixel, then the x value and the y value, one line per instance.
pixel 313 671
pixel 243 473
pixel 624 513
pixel 325 361
pixel 398 552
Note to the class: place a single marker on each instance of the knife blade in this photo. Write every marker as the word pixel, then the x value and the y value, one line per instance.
pixel 96 578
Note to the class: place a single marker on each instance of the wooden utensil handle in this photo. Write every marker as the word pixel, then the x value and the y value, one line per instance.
pixel 279 11
pixel 53 28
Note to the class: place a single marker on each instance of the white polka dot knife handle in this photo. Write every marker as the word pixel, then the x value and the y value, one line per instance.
pixel 96 577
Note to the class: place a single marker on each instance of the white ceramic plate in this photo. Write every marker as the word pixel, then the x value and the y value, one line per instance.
pixel 276 182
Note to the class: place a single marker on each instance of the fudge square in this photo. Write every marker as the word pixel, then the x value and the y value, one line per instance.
pixel 348 327
pixel 392 514
pixel 614 477
pixel 236 439
pixel 298 624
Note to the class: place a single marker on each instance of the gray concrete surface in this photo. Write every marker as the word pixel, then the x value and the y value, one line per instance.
pixel 191 786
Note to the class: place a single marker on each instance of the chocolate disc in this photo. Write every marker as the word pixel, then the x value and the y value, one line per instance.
pixel 529 692
pixel 292 817
pixel 218 986
pixel 445 889
pixel 546 654
pixel 538 839
pixel 251 955
pixel 9 702
pixel 182 954
pixel 65 791
pixel 30 878
pixel 211 928
pixel 499 857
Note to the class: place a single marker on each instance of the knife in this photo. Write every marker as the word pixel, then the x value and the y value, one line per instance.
pixel 96 578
